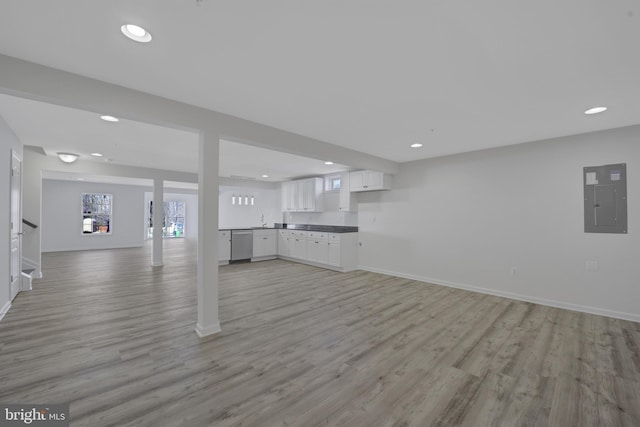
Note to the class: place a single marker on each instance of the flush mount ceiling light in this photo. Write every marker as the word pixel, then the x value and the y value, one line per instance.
pixel 416 145
pixel 68 157
pixel 328 163
pixel 595 110
pixel 109 118
pixel 97 154
pixel 136 33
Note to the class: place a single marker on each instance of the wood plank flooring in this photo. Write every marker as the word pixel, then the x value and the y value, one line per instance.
pixel 304 346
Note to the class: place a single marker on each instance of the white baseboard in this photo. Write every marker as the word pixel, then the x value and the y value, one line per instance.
pixel 264 258
pixel 208 330
pixel 5 308
pixel 511 295
pixel 317 264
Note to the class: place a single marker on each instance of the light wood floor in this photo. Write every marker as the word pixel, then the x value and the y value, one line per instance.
pixel 303 346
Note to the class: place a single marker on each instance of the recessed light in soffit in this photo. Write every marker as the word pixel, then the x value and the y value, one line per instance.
pixel 136 33
pixel 595 110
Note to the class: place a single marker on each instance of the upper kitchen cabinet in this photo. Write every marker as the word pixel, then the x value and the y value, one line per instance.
pixel 367 180
pixel 304 195
pixel 348 202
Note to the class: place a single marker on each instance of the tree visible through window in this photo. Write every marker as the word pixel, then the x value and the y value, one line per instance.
pixel 172 221
pixel 96 213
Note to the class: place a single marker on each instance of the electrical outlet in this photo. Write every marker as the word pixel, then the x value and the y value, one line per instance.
pixel 591 266
pixel 514 271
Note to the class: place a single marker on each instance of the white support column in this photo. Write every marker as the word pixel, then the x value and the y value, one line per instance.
pixel 158 214
pixel 208 323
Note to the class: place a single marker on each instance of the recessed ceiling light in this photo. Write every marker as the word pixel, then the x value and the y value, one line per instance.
pixel 265 176
pixel 416 145
pixel 328 163
pixel 595 110
pixel 110 119
pixel 136 33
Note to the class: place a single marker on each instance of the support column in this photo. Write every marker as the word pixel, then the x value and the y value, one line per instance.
pixel 158 218
pixel 208 323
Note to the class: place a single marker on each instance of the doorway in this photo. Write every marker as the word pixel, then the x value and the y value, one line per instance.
pixel 16 224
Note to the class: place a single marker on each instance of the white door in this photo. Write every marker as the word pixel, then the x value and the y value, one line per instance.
pixel 16 224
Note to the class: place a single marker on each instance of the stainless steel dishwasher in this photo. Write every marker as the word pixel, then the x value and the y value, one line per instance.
pixel 241 245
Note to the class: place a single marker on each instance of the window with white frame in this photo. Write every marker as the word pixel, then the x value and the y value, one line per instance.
pixel 332 183
pixel 97 213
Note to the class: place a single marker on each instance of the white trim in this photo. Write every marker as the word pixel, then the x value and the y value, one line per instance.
pixel 75 249
pixel 511 295
pixel 318 264
pixel 29 263
pixel 161 264
pixel 5 309
pixel 26 282
pixel 208 330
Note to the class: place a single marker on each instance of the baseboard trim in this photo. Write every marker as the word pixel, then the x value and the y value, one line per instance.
pixel 317 264
pixel 5 308
pixel 208 330
pixel 511 295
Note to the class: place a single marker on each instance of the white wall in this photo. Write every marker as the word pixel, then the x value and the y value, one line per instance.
pixel 8 142
pixel 267 203
pixel 62 216
pixel 190 200
pixel 466 220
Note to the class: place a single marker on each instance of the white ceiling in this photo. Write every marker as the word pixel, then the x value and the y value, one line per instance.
pixel 61 129
pixel 370 75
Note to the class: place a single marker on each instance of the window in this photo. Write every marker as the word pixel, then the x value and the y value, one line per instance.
pixel 172 222
pixel 332 183
pixel 96 213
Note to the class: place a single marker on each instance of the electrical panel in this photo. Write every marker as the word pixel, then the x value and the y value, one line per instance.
pixel 605 199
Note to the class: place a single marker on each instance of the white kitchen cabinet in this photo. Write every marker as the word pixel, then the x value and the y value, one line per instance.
pixel 317 247
pixel 298 244
pixel 287 205
pixel 304 195
pixel 348 201
pixel 283 243
pixel 342 251
pixel 335 251
pixel 265 244
pixel 366 180
pixel 224 246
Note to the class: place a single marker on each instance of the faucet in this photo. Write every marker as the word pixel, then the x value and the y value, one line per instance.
pixel 264 224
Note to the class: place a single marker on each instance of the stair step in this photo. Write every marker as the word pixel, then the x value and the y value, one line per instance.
pixel 28 271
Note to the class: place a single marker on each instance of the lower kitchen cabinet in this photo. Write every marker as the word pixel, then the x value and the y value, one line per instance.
pixel 298 244
pixel 224 246
pixel 317 247
pixel 335 251
pixel 265 244
pixel 283 243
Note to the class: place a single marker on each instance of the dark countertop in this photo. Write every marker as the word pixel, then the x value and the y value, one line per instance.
pixel 322 228
pixel 305 227
pixel 248 228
